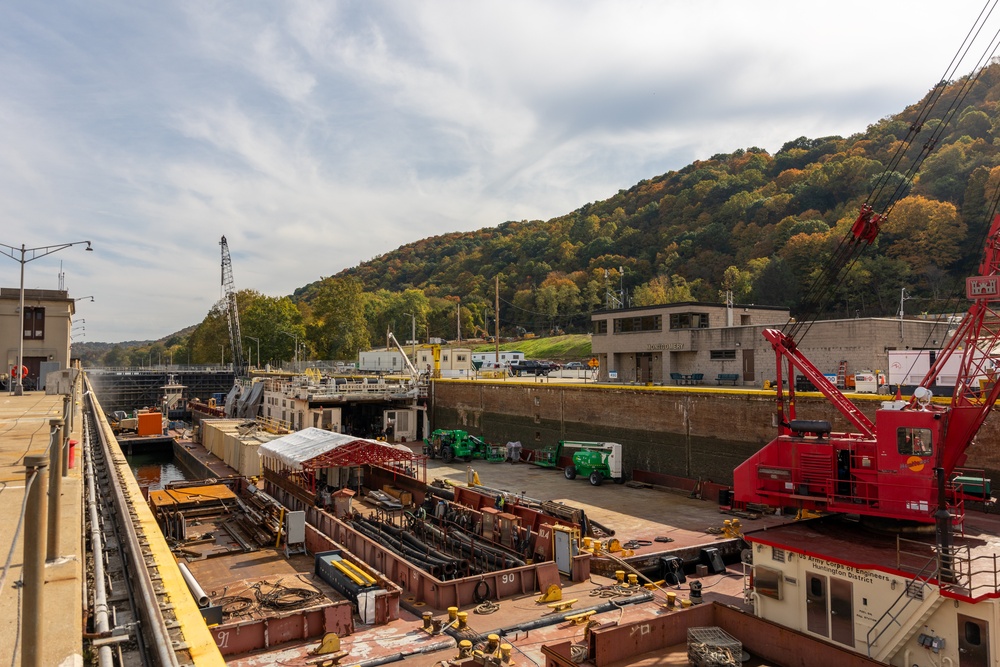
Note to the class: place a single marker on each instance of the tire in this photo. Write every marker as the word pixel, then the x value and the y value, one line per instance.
pixel 596 478
pixel 447 454
pixel 619 480
pixel 569 472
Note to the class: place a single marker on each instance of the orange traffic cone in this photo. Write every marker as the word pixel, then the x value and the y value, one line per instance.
pixel 899 393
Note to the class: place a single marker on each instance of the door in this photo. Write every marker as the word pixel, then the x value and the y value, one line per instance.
pixel 643 367
pixel 563 551
pixel 842 611
pixel 973 642
pixel 817 612
pixel 34 366
pixel 748 370
pixel 400 425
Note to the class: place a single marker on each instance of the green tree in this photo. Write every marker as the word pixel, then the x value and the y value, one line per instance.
pixel 925 232
pixel 266 319
pixel 740 283
pixel 338 329
pixel 210 336
pixel 663 289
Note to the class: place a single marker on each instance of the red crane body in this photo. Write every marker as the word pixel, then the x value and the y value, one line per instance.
pixel 885 468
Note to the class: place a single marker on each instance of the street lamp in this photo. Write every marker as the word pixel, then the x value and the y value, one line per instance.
pixel 413 341
pixel 258 348
pixel 296 337
pixel 621 275
pixel 36 253
pixel 81 298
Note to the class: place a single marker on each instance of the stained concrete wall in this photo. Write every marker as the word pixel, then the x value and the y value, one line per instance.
pixel 688 432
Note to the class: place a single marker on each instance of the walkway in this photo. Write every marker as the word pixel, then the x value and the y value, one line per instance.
pixel 24 431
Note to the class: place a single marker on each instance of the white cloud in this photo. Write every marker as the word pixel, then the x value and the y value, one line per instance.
pixel 317 134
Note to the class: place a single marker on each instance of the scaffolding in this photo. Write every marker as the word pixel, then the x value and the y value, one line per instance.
pixel 130 389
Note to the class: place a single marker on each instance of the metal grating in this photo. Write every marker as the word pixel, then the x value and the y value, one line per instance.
pixel 713 647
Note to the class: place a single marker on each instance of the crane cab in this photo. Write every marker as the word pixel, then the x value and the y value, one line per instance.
pixel 809 466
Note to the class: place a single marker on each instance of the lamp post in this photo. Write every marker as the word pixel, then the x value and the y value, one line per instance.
pixel 621 276
pixel 258 348
pixel 413 340
pixel 36 253
pixel 296 337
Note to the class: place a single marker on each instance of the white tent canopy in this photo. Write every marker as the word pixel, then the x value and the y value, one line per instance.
pixel 296 448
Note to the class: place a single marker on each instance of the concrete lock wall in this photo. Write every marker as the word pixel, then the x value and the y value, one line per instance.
pixel 687 432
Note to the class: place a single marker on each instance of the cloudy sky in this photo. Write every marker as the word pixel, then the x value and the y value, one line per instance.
pixel 317 134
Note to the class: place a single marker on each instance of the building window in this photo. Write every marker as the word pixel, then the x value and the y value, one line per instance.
pixel 767 582
pixel 914 441
pixel 34 323
pixel 600 327
pixel 459 357
pixel 637 324
pixel 689 320
pixel 722 355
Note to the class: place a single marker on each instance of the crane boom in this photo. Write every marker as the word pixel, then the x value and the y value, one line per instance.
pixel 232 311
pixel 890 467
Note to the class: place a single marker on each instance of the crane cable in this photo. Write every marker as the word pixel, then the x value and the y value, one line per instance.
pixel 852 245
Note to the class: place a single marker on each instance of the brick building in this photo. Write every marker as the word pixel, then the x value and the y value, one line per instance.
pixel 647 344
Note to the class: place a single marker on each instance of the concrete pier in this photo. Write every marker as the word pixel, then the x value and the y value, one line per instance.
pixel 25 432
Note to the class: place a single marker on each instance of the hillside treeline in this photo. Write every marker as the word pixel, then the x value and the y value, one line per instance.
pixel 756 225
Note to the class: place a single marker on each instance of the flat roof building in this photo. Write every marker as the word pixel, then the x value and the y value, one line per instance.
pixel 45 326
pixel 719 343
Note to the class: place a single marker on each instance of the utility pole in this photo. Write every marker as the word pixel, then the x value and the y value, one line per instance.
pixel 621 278
pixel 496 335
pixel 902 297
pixel 458 319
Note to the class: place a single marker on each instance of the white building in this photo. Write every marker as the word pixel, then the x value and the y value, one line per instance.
pixel 507 357
pixel 382 361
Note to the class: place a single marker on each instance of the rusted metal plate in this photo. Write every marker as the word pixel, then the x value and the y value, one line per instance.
pixel 191 496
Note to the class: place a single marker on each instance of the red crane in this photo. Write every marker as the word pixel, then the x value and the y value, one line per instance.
pixel 895 466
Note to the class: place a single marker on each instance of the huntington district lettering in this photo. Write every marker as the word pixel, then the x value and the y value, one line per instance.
pixel 866 576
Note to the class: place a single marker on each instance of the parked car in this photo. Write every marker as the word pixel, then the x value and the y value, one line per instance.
pixel 575 366
pixel 530 367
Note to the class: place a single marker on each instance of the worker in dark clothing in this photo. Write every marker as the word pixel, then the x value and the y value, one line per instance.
pixel 499 502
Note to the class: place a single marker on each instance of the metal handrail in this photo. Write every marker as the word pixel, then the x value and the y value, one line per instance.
pixel 928 571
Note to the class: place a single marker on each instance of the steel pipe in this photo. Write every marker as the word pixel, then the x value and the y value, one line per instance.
pixel 396 657
pixel 192 583
pixel 105 657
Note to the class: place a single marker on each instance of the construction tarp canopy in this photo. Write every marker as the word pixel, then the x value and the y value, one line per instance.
pixel 314 448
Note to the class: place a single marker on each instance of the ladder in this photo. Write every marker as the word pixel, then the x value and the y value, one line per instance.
pixel 842 374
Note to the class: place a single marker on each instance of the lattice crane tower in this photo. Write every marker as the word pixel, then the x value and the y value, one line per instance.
pixel 233 312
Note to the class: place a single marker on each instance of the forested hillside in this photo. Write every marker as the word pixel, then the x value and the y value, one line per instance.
pixel 747 221
pixel 756 224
